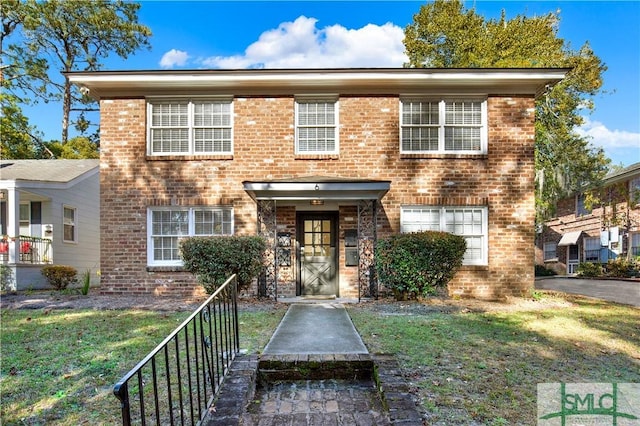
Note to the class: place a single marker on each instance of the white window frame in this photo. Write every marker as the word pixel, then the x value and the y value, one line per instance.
pixel 634 191
pixel 73 223
pixel 441 125
pixel 334 126
pixel 634 244
pixel 591 244
pixel 190 126
pixel 24 223
pixel 191 229
pixel 550 251
pixel 434 218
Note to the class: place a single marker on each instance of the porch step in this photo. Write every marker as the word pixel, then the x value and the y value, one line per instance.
pixel 274 368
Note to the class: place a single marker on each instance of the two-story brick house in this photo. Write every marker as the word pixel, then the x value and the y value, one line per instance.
pixel 596 225
pixel 322 163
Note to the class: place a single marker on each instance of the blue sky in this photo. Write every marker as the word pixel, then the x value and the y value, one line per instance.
pixel 318 34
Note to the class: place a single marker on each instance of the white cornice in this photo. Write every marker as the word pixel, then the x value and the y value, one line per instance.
pixel 107 84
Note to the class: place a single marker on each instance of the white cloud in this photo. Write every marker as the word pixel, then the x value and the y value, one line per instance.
pixel 603 137
pixel 300 44
pixel 174 58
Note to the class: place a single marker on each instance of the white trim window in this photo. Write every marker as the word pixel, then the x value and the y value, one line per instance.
pixel 550 251
pixel 634 248
pixel 452 126
pixel 634 191
pixel 468 222
pixel 190 127
pixel 166 226
pixel 316 126
pixel 69 221
pixel 25 218
pixel 591 249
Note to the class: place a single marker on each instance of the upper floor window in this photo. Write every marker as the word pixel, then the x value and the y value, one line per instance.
pixel 634 191
pixel 69 233
pixel 190 127
pixel 443 126
pixel 166 226
pixel 581 208
pixel 469 222
pixel 316 127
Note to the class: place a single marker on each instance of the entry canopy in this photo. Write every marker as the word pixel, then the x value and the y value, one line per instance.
pixel 570 238
pixel 317 188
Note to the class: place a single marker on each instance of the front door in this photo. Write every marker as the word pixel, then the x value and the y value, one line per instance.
pixel 317 271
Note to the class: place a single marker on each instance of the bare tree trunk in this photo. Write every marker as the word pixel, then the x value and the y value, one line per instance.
pixel 66 109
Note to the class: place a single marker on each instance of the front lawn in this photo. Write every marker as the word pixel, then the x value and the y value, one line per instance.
pixel 469 366
pixel 59 366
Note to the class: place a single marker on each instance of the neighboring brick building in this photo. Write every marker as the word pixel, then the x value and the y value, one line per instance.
pixel 322 163
pixel 607 230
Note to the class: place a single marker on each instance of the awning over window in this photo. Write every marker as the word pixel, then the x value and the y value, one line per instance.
pixel 570 238
pixel 321 188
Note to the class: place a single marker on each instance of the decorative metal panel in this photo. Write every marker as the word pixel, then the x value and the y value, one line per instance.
pixel 267 281
pixel 367 235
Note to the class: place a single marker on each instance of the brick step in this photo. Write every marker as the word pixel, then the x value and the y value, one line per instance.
pixel 274 368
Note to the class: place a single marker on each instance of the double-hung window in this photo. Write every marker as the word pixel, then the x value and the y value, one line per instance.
pixel 166 226
pixel 592 249
pixel 468 222
pixel 634 191
pixel 316 126
pixel 635 244
pixel 455 126
pixel 190 127
pixel 69 234
pixel 550 251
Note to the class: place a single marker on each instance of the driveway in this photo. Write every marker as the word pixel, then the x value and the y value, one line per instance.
pixel 625 292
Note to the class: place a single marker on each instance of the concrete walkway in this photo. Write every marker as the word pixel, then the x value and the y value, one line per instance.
pixel 321 328
pixel 620 291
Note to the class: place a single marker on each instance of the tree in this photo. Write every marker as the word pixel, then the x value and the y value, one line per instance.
pixel 445 34
pixel 62 36
pixel 75 148
pixel 19 139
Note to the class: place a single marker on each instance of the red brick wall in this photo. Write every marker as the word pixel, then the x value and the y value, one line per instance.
pixel 614 212
pixel 131 181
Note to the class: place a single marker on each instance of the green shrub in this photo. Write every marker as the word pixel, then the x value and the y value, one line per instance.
pixel 417 264
pixel 541 271
pixel 214 259
pixel 622 268
pixel 6 277
pixel 588 269
pixel 60 276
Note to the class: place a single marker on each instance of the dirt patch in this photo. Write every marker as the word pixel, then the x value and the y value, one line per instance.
pixel 386 306
pixel 48 300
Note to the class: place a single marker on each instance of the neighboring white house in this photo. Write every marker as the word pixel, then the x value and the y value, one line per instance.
pixel 49 214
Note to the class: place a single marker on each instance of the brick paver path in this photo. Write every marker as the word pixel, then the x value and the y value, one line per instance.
pixel 316 402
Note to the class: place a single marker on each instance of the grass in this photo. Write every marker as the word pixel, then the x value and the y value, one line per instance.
pixel 470 367
pixel 59 366
pixel 466 365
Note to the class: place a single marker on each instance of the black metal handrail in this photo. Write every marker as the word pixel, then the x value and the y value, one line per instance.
pixel 178 380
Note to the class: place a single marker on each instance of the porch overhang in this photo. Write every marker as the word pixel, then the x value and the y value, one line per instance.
pixel 317 189
pixel 570 238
